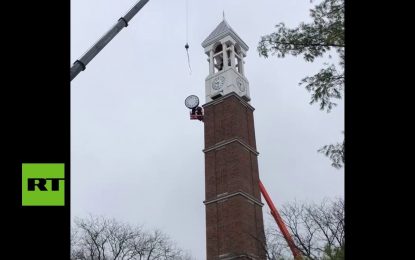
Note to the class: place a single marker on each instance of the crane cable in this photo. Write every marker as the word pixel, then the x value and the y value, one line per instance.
pixel 187 36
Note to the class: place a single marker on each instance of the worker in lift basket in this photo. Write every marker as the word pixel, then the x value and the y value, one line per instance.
pixel 199 113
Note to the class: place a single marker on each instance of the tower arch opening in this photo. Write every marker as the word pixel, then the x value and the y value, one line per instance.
pixel 218 58
pixel 238 58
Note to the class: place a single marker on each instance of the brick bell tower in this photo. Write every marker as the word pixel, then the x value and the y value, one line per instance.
pixel 234 221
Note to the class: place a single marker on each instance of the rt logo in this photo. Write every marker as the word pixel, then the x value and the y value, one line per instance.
pixel 43 184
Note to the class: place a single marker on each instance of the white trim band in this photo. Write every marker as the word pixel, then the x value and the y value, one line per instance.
pixel 241 193
pixel 225 142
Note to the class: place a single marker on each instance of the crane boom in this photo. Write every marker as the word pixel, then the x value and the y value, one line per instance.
pixel 280 223
pixel 80 64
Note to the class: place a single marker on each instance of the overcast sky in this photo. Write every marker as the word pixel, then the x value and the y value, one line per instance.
pixel 137 157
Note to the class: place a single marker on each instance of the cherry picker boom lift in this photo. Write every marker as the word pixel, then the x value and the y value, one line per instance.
pixel 280 223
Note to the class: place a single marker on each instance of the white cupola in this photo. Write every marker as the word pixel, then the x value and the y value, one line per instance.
pixel 226 52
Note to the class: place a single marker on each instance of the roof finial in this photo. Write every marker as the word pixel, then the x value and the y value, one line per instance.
pixel 224 15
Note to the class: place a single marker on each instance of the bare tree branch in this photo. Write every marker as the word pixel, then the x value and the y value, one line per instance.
pixel 317 229
pixel 98 238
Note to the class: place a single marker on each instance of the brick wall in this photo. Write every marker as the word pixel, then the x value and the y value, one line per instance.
pixel 234 221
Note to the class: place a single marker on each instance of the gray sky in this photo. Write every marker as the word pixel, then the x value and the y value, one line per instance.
pixel 137 157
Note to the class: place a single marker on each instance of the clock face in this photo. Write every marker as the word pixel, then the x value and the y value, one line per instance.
pixel 240 84
pixel 191 101
pixel 218 83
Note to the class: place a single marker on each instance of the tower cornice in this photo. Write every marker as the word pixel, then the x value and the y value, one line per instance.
pixel 231 94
